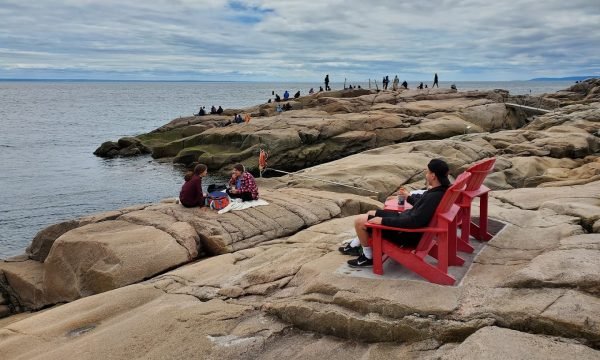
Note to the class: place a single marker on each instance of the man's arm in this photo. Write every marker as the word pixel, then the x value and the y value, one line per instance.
pixel 420 215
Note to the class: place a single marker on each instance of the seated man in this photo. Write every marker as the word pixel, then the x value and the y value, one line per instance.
pixel 286 95
pixel 424 206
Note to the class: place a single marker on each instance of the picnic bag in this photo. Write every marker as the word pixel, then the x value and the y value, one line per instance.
pixel 217 200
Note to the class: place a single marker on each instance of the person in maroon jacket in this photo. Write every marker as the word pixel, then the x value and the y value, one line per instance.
pixel 242 184
pixel 191 194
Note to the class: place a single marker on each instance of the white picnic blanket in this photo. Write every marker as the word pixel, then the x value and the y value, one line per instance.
pixel 238 204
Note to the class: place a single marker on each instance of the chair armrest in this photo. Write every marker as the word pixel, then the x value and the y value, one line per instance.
pixel 423 229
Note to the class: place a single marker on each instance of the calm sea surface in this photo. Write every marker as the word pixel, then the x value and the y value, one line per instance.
pixel 49 130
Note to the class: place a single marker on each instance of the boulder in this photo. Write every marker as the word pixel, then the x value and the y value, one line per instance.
pixel 127 146
pixel 42 242
pixel 98 257
pixel 107 149
pixel 572 268
pixel 23 283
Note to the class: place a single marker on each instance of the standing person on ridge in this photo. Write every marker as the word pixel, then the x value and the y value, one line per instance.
pixel 327 88
pixel 435 81
pixel 395 83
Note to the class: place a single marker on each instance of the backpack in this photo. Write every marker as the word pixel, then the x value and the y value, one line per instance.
pixel 217 200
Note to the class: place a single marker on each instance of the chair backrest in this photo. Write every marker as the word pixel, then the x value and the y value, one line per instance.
pixel 452 193
pixel 478 172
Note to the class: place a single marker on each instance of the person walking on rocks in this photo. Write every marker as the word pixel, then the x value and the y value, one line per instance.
pixel 191 194
pixel 327 88
pixel 424 206
pixel 435 81
pixel 395 83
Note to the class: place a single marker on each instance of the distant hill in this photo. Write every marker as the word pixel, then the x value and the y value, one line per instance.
pixel 573 78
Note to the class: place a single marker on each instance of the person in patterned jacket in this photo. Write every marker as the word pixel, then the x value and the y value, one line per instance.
pixel 242 184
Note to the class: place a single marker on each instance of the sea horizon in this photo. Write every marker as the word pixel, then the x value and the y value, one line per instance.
pixel 569 78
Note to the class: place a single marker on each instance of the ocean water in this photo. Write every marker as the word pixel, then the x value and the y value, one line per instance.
pixel 49 130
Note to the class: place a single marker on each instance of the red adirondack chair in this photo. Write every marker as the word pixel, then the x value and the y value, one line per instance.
pixel 475 188
pixel 441 232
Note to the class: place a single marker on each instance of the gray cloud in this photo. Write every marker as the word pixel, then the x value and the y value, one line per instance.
pixel 299 40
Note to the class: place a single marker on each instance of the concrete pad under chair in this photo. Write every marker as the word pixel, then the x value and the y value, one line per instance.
pixel 394 271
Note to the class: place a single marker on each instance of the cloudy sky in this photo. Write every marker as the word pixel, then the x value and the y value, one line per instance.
pixel 281 40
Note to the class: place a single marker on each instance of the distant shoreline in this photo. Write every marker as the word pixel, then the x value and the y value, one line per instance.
pixel 569 78
pixel 572 78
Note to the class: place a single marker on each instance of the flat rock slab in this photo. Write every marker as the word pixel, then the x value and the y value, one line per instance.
pixel 492 343
pixel 265 299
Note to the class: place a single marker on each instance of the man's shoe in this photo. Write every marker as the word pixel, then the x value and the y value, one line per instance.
pixel 350 250
pixel 360 262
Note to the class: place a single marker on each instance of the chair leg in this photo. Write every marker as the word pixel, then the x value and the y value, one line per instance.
pixel 483 218
pixel 443 252
pixel 465 230
pixel 377 252
pixel 453 259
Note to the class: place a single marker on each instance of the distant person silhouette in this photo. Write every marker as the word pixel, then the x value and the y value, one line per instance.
pixel 213 110
pixel 286 95
pixel 277 98
pixel 405 84
pixel 220 110
pixel 327 88
pixel 420 86
pixel 435 81
pixel 297 94
pixel 395 83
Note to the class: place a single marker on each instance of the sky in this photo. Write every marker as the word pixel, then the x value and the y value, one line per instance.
pixel 290 40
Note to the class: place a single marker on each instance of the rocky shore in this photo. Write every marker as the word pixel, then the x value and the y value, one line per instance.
pixel 163 281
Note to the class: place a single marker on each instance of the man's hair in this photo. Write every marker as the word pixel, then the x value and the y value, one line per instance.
pixel 239 167
pixel 199 169
pixel 440 168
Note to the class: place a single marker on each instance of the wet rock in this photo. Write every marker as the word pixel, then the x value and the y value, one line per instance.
pixel 125 147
